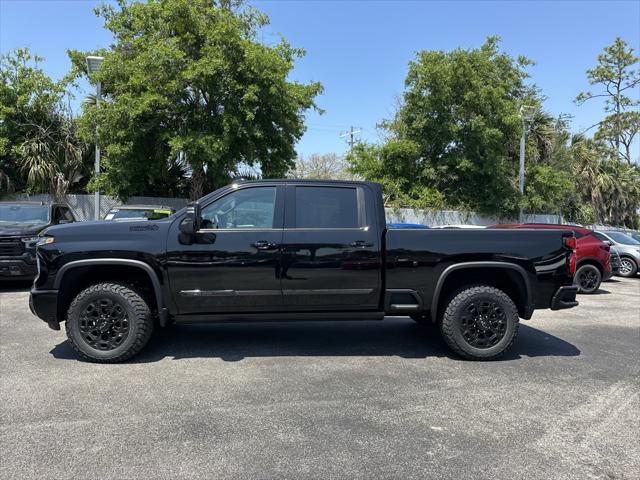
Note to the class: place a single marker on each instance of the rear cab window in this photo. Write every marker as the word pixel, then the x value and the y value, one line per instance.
pixel 327 207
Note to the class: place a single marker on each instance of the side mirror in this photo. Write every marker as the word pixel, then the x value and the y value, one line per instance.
pixel 190 224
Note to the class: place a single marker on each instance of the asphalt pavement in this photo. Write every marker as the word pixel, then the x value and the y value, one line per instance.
pixel 325 400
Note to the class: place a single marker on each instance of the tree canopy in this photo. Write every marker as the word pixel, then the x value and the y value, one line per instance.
pixel 189 87
pixel 453 140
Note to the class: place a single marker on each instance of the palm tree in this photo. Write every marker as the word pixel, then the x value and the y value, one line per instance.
pixel 52 156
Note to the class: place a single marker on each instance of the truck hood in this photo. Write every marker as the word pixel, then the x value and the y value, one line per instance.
pixel 109 235
pixel 20 229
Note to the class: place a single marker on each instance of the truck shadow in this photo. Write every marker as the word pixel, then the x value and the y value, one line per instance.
pixel 392 337
pixel 9 286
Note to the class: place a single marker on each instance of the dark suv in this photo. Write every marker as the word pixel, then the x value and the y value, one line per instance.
pixel 20 225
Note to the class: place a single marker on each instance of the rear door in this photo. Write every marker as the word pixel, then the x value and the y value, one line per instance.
pixel 330 248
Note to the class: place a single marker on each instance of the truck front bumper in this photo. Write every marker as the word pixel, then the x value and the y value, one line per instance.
pixel 10 268
pixel 565 297
pixel 44 305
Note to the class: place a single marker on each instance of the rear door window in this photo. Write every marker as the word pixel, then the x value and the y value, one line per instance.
pixel 326 207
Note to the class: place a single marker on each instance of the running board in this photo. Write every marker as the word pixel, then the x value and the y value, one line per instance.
pixel 278 317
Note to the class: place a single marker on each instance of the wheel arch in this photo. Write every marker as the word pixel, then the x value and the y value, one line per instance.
pixel 521 293
pixel 127 264
pixel 591 261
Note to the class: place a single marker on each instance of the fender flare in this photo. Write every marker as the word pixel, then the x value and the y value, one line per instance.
pixel 487 264
pixel 155 282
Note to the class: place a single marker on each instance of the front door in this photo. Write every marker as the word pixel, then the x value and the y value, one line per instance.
pixel 330 250
pixel 233 266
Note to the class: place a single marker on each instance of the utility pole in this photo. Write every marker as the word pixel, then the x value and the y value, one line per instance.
pixel 352 140
pixel 93 65
pixel 526 116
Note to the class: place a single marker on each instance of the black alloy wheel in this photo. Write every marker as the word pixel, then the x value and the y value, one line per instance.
pixel 588 278
pixel 483 323
pixel 104 324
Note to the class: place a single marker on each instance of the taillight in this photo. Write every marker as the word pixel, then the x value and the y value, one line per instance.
pixel 605 247
pixel 572 243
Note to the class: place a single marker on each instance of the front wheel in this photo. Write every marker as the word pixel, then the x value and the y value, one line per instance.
pixel 108 323
pixel 588 279
pixel 480 323
pixel 628 268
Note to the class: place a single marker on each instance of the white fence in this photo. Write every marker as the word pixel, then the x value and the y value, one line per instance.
pixel 83 209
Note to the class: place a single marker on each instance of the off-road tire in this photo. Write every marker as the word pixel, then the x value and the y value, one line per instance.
pixel 634 267
pixel 140 321
pixel 452 317
pixel 593 285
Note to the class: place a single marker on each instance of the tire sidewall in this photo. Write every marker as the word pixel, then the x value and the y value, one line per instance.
pixel 73 324
pixel 577 278
pixel 511 315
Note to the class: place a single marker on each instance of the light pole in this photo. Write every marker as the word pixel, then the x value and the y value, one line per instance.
pixel 93 65
pixel 526 115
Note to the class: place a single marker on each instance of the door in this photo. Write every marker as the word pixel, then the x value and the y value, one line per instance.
pixel 233 265
pixel 330 249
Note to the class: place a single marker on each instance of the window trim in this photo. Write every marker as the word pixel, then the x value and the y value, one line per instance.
pixel 278 216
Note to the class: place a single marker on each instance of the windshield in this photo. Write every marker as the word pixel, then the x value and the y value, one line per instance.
pixel 146 213
pixel 622 238
pixel 28 214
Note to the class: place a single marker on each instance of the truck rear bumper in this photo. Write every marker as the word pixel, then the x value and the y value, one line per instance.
pixel 44 305
pixel 565 297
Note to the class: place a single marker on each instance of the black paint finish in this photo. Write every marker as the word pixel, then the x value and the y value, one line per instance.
pixel 233 268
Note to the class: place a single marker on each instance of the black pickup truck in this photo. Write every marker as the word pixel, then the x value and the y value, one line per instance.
pixel 294 249
pixel 20 226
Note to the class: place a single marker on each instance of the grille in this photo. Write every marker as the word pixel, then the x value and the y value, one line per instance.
pixel 11 246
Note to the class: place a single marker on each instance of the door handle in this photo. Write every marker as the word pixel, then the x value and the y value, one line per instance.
pixel 360 244
pixel 264 245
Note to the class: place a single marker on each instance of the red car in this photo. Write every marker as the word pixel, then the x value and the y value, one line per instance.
pixel 593 260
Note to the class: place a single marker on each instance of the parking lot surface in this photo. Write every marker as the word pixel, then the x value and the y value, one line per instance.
pixel 328 400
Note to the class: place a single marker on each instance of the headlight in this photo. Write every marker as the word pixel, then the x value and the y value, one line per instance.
pixel 30 242
pixel 45 241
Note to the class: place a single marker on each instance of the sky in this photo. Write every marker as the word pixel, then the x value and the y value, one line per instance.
pixel 360 50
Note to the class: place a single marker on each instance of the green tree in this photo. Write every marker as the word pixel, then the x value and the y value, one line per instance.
pixel 39 148
pixel 618 80
pixel 187 82
pixel 454 139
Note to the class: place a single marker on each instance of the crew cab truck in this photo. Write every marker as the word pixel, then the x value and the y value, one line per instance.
pixel 298 250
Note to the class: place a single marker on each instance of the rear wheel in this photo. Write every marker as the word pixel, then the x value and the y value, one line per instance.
pixel 480 323
pixel 108 323
pixel 628 267
pixel 588 279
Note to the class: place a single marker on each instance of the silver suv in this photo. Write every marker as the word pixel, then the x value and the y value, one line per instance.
pixel 627 247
